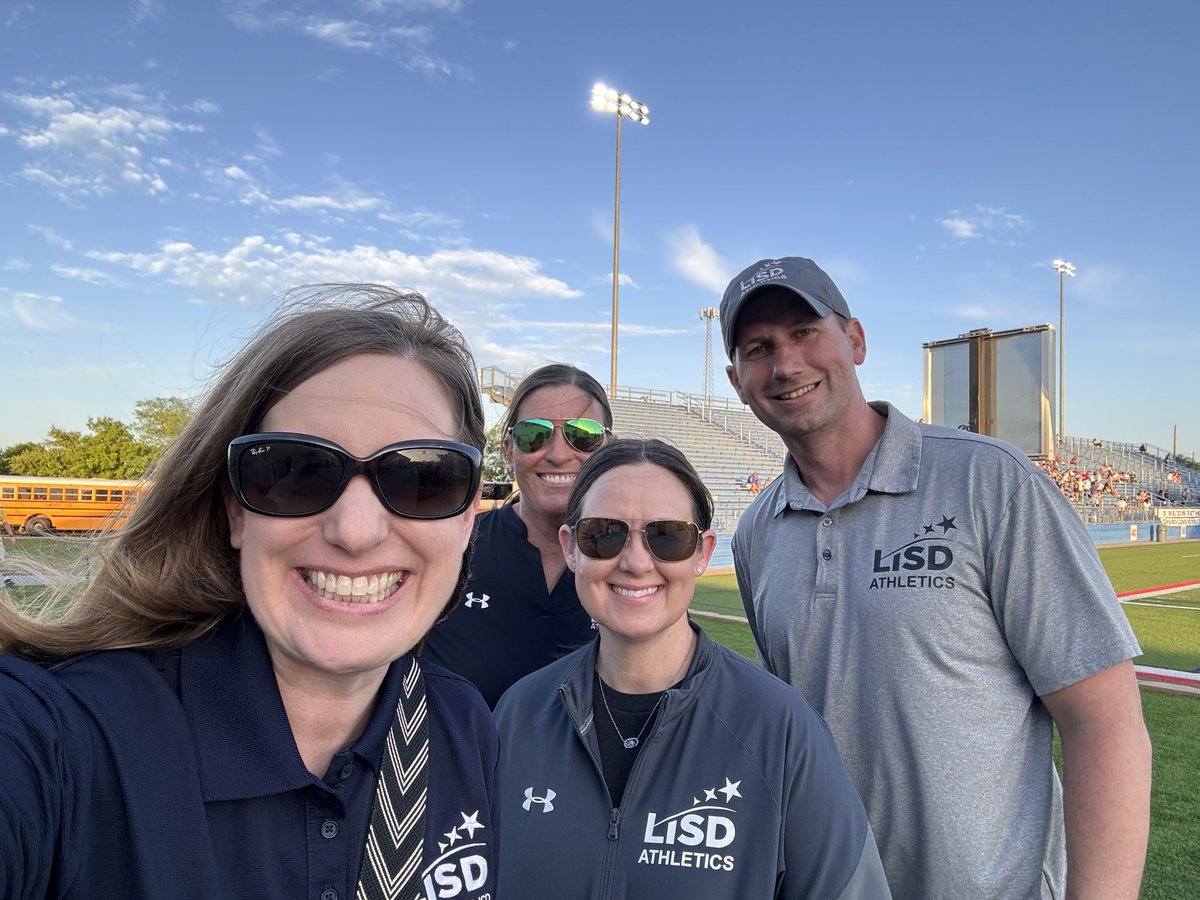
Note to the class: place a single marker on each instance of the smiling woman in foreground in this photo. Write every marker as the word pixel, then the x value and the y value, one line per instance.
pixel 233 707
pixel 654 762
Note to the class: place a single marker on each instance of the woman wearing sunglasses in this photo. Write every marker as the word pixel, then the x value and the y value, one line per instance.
pixel 520 610
pixel 655 762
pixel 233 708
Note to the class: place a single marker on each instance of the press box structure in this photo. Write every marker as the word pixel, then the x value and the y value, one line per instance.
pixel 998 383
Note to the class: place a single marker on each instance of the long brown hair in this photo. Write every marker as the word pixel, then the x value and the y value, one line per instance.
pixel 170 574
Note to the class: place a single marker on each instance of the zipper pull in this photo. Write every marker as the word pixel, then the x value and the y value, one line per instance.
pixel 614 818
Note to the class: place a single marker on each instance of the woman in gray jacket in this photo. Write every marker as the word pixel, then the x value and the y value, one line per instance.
pixel 655 762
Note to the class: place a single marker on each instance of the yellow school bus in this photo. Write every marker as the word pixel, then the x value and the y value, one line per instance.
pixel 39 505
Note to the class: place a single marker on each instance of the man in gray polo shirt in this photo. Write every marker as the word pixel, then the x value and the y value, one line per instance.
pixel 932 595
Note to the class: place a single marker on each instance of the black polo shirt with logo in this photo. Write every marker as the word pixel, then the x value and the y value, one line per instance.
pixel 508 624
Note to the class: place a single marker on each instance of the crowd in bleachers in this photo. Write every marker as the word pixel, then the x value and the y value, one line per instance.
pixel 1081 483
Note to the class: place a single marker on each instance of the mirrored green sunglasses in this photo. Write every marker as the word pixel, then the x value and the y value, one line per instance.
pixel 585 435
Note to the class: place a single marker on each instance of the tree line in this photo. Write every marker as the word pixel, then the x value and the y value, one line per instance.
pixel 110 448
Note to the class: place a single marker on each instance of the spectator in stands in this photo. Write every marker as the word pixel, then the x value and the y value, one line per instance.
pixel 1141 448
pixel 1122 507
pixel 520 610
pixel 943 609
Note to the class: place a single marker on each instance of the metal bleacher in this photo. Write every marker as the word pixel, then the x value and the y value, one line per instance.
pixel 1146 467
pixel 725 442
pixel 720 436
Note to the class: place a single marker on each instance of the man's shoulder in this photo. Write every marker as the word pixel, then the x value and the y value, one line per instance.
pixel 945 450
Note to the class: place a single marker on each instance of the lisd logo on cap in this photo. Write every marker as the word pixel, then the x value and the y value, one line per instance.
pixel 771 270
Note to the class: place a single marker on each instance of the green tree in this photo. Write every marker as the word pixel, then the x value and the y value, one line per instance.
pixel 108 450
pixel 495 467
pixel 158 421
pixel 8 453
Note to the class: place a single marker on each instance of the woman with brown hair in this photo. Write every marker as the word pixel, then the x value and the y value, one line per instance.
pixel 233 707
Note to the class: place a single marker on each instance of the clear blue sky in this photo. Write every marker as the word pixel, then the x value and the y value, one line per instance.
pixel 166 166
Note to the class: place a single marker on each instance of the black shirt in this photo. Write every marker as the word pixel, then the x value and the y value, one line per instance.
pixel 137 774
pixel 507 624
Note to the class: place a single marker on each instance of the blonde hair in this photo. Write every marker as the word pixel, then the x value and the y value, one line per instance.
pixel 170 574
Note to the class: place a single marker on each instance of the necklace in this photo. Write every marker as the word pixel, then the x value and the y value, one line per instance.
pixel 628 743
pixel 631 743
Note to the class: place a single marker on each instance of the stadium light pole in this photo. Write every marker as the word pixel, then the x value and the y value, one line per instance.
pixel 607 99
pixel 707 314
pixel 1063 268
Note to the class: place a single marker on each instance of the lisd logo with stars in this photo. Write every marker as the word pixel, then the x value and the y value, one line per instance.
pixel 922 562
pixel 688 838
pixel 461 867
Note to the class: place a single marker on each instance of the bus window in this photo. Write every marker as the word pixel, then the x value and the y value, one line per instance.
pixel 56 493
pixel 39 493
pixel 24 493
pixel 114 494
pixel 85 494
pixel 72 493
pixel 7 493
pixel 101 495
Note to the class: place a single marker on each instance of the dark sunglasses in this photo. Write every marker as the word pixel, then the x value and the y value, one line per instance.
pixel 667 541
pixel 284 474
pixel 585 435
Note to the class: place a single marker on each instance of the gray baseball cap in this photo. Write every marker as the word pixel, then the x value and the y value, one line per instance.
pixel 803 276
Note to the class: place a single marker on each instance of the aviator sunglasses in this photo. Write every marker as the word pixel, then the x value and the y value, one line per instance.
pixel 667 540
pixel 585 435
pixel 285 474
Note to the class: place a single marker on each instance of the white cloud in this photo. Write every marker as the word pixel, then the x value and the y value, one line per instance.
pixel 384 28
pixel 95 145
pixel 51 236
pixel 15 264
pixel 959 227
pixel 91 276
pixel 990 222
pixel 248 273
pixel 41 312
pixel 697 261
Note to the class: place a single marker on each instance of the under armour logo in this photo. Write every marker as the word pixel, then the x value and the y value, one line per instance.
pixel 544 801
pixel 472 600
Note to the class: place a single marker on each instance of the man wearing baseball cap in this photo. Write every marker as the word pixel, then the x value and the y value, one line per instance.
pixel 931 593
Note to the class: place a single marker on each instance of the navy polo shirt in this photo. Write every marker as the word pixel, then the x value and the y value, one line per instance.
pixel 175 774
pixel 508 624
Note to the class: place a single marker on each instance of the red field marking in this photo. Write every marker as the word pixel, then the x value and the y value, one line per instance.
pixel 1161 589
pixel 1168 680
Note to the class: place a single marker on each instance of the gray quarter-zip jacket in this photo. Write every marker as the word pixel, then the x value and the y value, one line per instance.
pixel 738 792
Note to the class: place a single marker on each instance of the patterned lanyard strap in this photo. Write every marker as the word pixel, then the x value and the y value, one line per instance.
pixel 391 863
